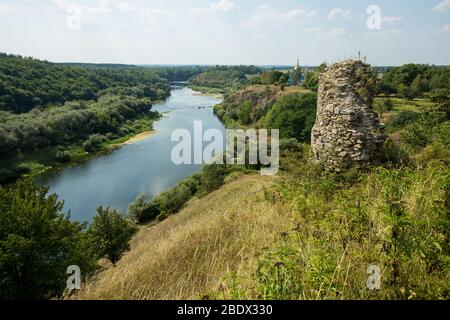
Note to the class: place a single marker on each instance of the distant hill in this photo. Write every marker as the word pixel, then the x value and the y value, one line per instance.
pixel 26 83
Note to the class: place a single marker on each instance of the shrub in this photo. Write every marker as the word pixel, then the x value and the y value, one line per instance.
pixel 402 119
pixel 294 115
pixel 62 156
pixel 383 106
pixel 211 178
pixel 141 211
pixel 395 153
pixel 110 234
pixel 416 135
pixel 290 145
pixel 94 143
pixel 245 112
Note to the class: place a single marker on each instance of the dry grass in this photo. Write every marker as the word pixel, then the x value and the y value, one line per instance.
pixel 187 255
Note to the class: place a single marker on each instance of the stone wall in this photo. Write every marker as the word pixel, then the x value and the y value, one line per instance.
pixel 347 131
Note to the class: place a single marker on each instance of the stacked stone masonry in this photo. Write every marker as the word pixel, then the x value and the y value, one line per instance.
pixel 347 131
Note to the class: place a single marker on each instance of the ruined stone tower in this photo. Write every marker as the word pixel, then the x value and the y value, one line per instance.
pixel 347 131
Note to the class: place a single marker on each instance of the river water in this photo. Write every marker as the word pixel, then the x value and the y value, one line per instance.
pixel 116 179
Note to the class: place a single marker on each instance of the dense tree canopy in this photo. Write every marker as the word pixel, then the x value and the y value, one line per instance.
pixel 110 233
pixel 294 115
pixel 37 243
pixel 414 80
pixel 224 77
pixel 26 83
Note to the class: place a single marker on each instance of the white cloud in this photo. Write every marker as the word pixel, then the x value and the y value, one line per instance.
pixel 76 13
pixel 263 15
pixel 442 6
pixel 157 20
pixel 124 5
pixel 335 32
pixel 157 14
pixel 221 6
pixel 339 13
pixel 312 29
pixel 300 13
pixel 446 28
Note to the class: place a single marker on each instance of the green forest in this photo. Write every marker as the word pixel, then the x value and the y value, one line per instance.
pixel 52 113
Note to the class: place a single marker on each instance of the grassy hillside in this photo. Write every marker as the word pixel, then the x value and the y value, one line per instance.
pixel 306 233
pixel 188 255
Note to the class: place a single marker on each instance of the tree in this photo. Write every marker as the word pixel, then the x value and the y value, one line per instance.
pixel 441 102
pixel 94 143
pixel 141 210
pixel 37 243
pixel 110 233
pixel 245 112
pixel 312 81
pixel 271 77
pixel 294 115
pixel 296 76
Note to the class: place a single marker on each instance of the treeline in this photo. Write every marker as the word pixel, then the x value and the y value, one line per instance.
pixel 170 202
pixel 413 80
pixel 87 123
pixel 63 125
pixel 26 83
pixel 225 77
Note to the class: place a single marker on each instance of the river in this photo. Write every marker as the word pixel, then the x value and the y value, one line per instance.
pixel 116 179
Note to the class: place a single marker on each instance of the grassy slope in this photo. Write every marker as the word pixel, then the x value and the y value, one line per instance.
pixel 187 255
pixel 306 234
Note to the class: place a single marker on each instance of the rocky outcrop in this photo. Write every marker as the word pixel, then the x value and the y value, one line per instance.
pixel 347 131
pixel 260 97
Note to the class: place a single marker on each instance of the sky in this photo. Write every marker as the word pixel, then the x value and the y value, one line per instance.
pixel 272 32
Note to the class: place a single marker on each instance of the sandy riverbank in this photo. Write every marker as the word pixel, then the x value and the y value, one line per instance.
pixel 138 137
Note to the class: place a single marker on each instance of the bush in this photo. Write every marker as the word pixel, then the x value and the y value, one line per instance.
pixel 171 201
pixel 401 120
pixel 110 234
pixel 416 135
pixel 395 153
pixel 294 115
pixel 245 112
pixel 62 156
pixel 290 145
pixel 383 106
pixel 94 143
pixel 211 178
pixel 141 211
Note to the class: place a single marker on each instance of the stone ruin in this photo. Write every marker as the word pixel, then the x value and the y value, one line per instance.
pixel 347 131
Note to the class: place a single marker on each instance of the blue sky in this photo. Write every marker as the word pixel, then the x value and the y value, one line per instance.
pixel 225 31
